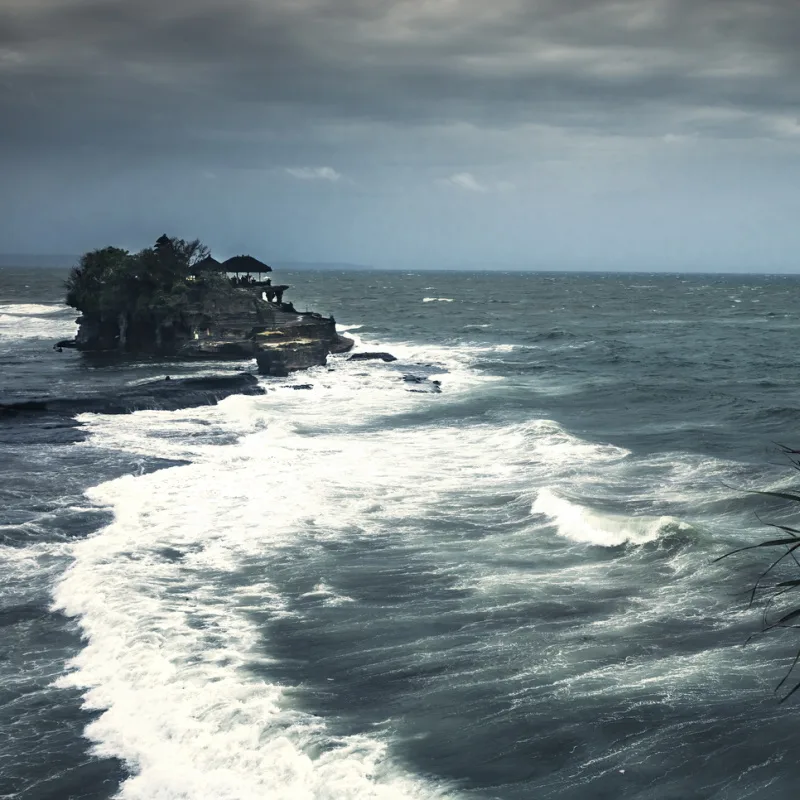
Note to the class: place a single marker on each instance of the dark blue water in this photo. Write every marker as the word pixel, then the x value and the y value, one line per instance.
pixel 506 590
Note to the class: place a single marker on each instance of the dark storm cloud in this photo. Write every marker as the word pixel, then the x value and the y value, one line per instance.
pixel 197 77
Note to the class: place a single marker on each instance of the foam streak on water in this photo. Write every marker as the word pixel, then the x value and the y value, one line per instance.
pixel 36 321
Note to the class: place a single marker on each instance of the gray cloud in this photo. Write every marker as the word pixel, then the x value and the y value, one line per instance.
pixel 615 122
pixel 466 181
pixel 314 173
pixel 150 76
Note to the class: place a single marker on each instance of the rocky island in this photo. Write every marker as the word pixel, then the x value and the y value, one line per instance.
pixel 174 299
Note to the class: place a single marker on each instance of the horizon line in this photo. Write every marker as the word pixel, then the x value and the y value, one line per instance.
pixel 6 261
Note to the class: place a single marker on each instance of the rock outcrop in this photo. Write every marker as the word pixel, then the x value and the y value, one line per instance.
pixel 235 324
pixel 387 357
pixel 173 299
pixel 168 394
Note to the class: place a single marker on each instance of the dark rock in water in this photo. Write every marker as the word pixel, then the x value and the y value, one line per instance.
pixel 372 357
pixel 298 347
pixel 426 386
pixel 302 386
pixel 272 364
pixel 280 358
pixel 65 343
pixel 419 370
pixel 342 344
pixel 167 395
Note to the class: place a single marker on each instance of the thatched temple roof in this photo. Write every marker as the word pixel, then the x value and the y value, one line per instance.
pixel 245 264
pixel 207 263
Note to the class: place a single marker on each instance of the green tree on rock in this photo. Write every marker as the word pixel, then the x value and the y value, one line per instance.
pixel 142 294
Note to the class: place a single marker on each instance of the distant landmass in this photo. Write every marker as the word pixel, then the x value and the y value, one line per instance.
pixel 28 260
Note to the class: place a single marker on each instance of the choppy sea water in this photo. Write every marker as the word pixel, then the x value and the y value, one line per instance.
pixel 505 590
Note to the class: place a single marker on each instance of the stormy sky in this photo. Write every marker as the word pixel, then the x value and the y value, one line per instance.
pixel 547 134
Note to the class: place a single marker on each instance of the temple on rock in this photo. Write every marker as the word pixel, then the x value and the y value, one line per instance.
pixel 245 265
pixel 245 272
pixel 163 302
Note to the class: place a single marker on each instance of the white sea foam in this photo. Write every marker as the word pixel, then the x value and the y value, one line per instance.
pixel 34 564
pixel 583 524
pixel 172 654
pixel 327 595
pixel 570 454
pixel 35 321
pixel 31 309
pixel 171 650
pixel 345 397
pixel 437 299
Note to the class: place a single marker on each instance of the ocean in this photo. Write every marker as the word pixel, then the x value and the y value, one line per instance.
pixel 363 591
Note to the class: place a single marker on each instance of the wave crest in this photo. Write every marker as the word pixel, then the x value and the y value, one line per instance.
pixel 587 525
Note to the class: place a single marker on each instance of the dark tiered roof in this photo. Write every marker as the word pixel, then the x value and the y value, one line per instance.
pixel 207 263
pixel 245 264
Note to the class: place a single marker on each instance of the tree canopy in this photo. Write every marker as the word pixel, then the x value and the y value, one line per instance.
pixel 111 281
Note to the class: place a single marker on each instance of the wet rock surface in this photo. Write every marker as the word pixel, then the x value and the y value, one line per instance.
pixel 238 324
pixel 423 385
pixel 387 357
pixel 167 394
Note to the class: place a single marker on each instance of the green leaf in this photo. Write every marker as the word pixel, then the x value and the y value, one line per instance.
pixel 771 543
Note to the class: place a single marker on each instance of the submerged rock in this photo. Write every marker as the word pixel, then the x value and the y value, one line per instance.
pixel 372 357
pixel 425 386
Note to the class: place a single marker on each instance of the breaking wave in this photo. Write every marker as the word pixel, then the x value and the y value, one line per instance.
pixel 583 524
pixel 36 321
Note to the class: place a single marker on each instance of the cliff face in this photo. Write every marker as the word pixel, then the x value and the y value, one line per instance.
pixel 235 324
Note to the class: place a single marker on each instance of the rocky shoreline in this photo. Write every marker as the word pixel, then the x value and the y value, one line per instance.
pixel 54 418
pixel 240 326
pixel 167 394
